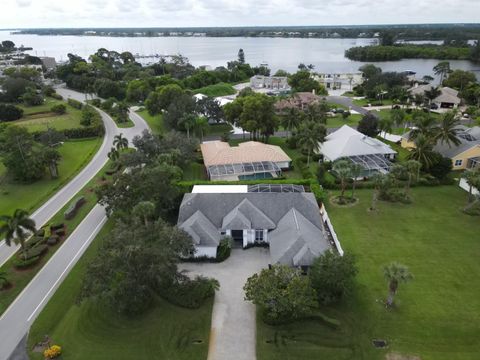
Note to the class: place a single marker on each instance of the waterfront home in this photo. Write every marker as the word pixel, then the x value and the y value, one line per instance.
pixel 269 82
pixel 248 160
pixel 282 217
pixel 338 81
pixel 300 101
pixel 448 97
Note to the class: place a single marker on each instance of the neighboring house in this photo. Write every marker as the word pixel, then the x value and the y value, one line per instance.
pixel 347 143
pixel 248 160
pixel 288 221
pixel 300 101
pixel 448 97
pixel 466 155
pixel 339 81
pixel 269 82
pixel 49 62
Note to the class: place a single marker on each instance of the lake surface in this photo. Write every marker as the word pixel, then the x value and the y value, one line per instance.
pixel 279 53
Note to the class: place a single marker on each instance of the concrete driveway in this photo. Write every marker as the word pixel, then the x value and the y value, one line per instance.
pixel 233 332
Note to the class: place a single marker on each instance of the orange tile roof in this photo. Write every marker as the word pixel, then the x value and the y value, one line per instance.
pixel 221 153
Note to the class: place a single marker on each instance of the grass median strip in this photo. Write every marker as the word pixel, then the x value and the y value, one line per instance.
pixel 20 278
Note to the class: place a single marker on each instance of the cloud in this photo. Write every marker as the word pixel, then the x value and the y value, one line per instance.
pixel 24 3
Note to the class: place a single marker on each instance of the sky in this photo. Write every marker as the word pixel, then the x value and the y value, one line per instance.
pixel 182 13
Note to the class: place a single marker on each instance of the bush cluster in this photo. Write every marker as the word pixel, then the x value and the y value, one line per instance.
pixel 52 352
pixel 73 208
pixel 75 104
pixel 58 109
pixel 10 112
pixel 190 293
pixel 224 249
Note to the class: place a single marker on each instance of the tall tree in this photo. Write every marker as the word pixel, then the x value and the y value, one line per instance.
pixel 17 228
pixel 422 152
pixel 412 168
pixel 442 69
pixel 446 131
pixel 343 171
pixel 472 176
pixel 120 142
pixel 368 125
pixel 356 170
pixel 241 56
pixel 395 274
pixel 309 135
pixel 144 210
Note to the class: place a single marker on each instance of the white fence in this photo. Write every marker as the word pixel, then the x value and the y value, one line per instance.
pixel 464 185
pixel 327 221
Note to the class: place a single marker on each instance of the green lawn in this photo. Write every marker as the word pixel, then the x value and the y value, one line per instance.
pixel 338 121
pixel 39 118
pixel 89 331
pixel 365 102
pixel 75 155
pixel 20 279
pixel 194 171
pixel 438 313
pixel 220 89
pixel 155 122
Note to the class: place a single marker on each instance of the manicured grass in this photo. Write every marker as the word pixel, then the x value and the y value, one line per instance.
pixel 90 331
pixel 155 122
pixel 338 121
pixel 127 124
pixel 194 171
pixel 220 89
pixel 39 118
pixel 20 279
pixel 437 315
pixel 75 155
pixel 402 153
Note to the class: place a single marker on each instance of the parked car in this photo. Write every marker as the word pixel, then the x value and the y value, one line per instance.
pixel 433 106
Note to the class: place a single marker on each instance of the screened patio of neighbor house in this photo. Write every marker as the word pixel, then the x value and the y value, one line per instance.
pixel 244 171
pixel 371 164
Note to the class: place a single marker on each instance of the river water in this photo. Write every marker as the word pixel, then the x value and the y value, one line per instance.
pixel 279 53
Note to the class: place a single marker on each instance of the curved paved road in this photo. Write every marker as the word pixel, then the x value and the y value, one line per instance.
pixel 16 320
pixel 65 194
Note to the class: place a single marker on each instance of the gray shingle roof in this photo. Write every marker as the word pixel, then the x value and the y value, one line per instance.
pixel 296 241
pixel 297 236
pixel 202 231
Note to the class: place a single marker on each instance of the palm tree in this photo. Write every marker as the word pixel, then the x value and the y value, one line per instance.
pixel 201 126
pixel 309 135
pixel 343 171
pixel 424 125
pixel 291 120
pixel 122 112
pixel 356 170
pixel 422 152
pixel 446 132
pixel 188 122
pixel 52 157
pixel 472 176
pixel 432 94
pixel 113 154
pixel 396 172
pixel 395 274
pixel 398 117
pixel 442 69
pixel 17 228
pixel 120 142
pixel 144 210
pixel 379 181
pixel 385 125
pixel 412 168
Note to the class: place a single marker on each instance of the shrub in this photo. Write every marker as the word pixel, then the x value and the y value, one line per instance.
pixel 86 132
pixel 34 241
pixel 59 109
pixel 96 102
pixel 35 251
pixel 73 208
pixel 10 112
pixel 332 276
pixel 318 191
pixel 395 195
pixel 224 249
pixel 25 264
pixel 75 104
pixel 190 293
pixel 56 96
pixel 52 352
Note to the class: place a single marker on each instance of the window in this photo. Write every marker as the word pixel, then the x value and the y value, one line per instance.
pixel 458 162
pixel 259 235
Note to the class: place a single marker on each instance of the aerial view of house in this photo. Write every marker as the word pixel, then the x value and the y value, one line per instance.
pixel 286 218
pixel 248 160
pixel 347 143
pixel 465 155
pixel 447 98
